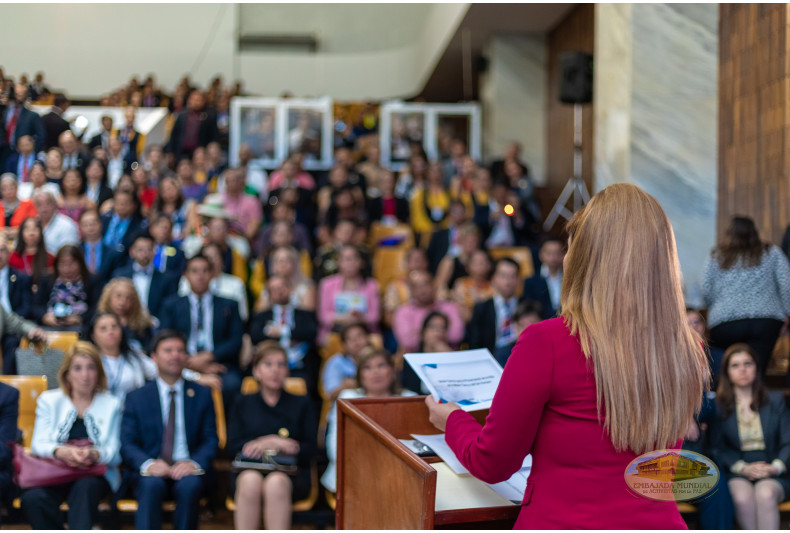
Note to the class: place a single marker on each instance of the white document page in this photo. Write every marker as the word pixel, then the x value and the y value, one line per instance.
pixel 439 445
pixel 469 378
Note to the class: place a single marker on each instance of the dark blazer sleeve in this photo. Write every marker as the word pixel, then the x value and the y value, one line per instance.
pixel 724 441
pixel 402 210
pixel 308 430
pixel 203 450
pixel 174 142
pixel 236 440
pixel 305 326
pixel 535 288
pixel 135 408
pixel 171 308
pixel 481 327
pixel 257 323
pixel 781 421
pixel 228 330
pixel 19 293
pixel 9 412
pixel 437 248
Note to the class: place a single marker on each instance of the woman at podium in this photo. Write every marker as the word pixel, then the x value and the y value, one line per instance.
pixel 618 374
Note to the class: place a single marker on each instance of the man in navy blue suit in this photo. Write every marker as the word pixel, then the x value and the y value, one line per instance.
pixel 121 224
pixel 152 286
pixel 168 259
pixel 212 326
pixel 101 259
pixel 9 412
pixel 18 121
pixel 545 286
pixel 168 438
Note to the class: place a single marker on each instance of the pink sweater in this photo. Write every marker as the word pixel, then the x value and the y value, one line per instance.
pixel 329 288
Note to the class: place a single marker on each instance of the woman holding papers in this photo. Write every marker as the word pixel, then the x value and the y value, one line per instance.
pixel 618 374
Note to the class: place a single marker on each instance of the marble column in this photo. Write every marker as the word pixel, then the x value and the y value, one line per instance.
pixel 656 116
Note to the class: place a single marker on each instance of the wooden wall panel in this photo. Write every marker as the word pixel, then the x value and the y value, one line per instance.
pixel 574 33
pixel 754 116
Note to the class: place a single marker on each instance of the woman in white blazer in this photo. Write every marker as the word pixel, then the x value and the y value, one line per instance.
pixel 80 409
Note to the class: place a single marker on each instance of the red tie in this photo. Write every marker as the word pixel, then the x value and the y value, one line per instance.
pixel 24 169
pixel 12 125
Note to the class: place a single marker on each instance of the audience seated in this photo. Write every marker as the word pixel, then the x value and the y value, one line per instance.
pixel 123 222
pixel 9 412
pixel 377 378
pixel 144 188
pixel 59 230
pixel 30 256
pixel 388 208
pixel 285 262
pixel 132 139
pixel 119 162
pixel 100 258
pixel 152 286
pixel 446 241
pixel 196 126
pixel 21 162
pixel 283 213
pixel 492 324
pixel 73 200
pixel 476 286
pixel 430 203
pixel 339 372
pixel 244 209
pixel 13 210
pixel 103 137
pixel 326 261
pixel 191 189
pixel 409 318
pixel 412 178
pixel 454 266
pixel 20 121
pixel 53 165
pixel 527 312
pixel 211 325
pixel 271 421
pixel 72 153
pixel 348 296
pixel 546 285
pixel 294 328
pixel 15 298
pixel 168 259
pixel 37 181
pixel 71 292
pixel 750 440
pixel 120 297
pixel 508 228
pixel 221 284
pixel 80 410
pixel 397 292
pixel 433 339
pixel 169 438
pixel 171 202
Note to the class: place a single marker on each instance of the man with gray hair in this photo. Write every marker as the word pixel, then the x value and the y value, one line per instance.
pixel 58 229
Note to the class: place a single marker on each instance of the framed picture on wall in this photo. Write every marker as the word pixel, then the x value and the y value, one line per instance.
pixel 308 130
pixel 254 123
pixel 406 127
pixel 275 128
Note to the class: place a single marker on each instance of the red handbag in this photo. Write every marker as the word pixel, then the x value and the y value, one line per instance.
pixel 31 471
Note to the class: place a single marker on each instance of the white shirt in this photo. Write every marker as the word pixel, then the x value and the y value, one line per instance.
pixel 180 448
pixel 114 171
pixel 26 190
pixel 60 231
pixel 208 323
pixel 141 276
pixel 4 290
pixel 225 286
pixel 554 284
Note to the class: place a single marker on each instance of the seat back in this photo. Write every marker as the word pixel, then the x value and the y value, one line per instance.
pixel 219 412
pixel 293 385
pixel 59 340
pixel 388 265
pixel 29 387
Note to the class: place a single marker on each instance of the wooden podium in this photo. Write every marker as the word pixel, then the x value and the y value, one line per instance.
pixel 381 484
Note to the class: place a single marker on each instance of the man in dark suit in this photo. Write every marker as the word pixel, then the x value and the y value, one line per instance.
pixel 168 438
pixel 102 260
pixel 168 259
pixel 18 121
pixel 295 329
pixel 15 297
pixel 212 326
pixel 54 123
pixel 130 137
pixel 194 127
pixel 103 137
pixel 492 320
pixel 445 241
pixel 152 286
pixel 120 225
pixel 73 155
pixel 9 412
pixel 22 161
pixel 546 285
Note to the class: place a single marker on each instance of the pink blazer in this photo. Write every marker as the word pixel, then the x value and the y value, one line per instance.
pixel 546 405
pixel 332 285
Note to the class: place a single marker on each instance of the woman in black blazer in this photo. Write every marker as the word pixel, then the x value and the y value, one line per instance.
pixel 388 205
pixel 750 440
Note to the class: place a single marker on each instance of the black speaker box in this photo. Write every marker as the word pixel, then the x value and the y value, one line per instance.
pixel 576 78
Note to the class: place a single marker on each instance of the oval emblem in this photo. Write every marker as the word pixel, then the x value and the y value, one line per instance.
pixel 672 475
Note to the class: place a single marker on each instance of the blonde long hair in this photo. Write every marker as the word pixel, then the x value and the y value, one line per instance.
pixel 621 293
pixel 138 318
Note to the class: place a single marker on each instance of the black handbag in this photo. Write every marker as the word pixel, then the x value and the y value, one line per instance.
pixel 267 463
